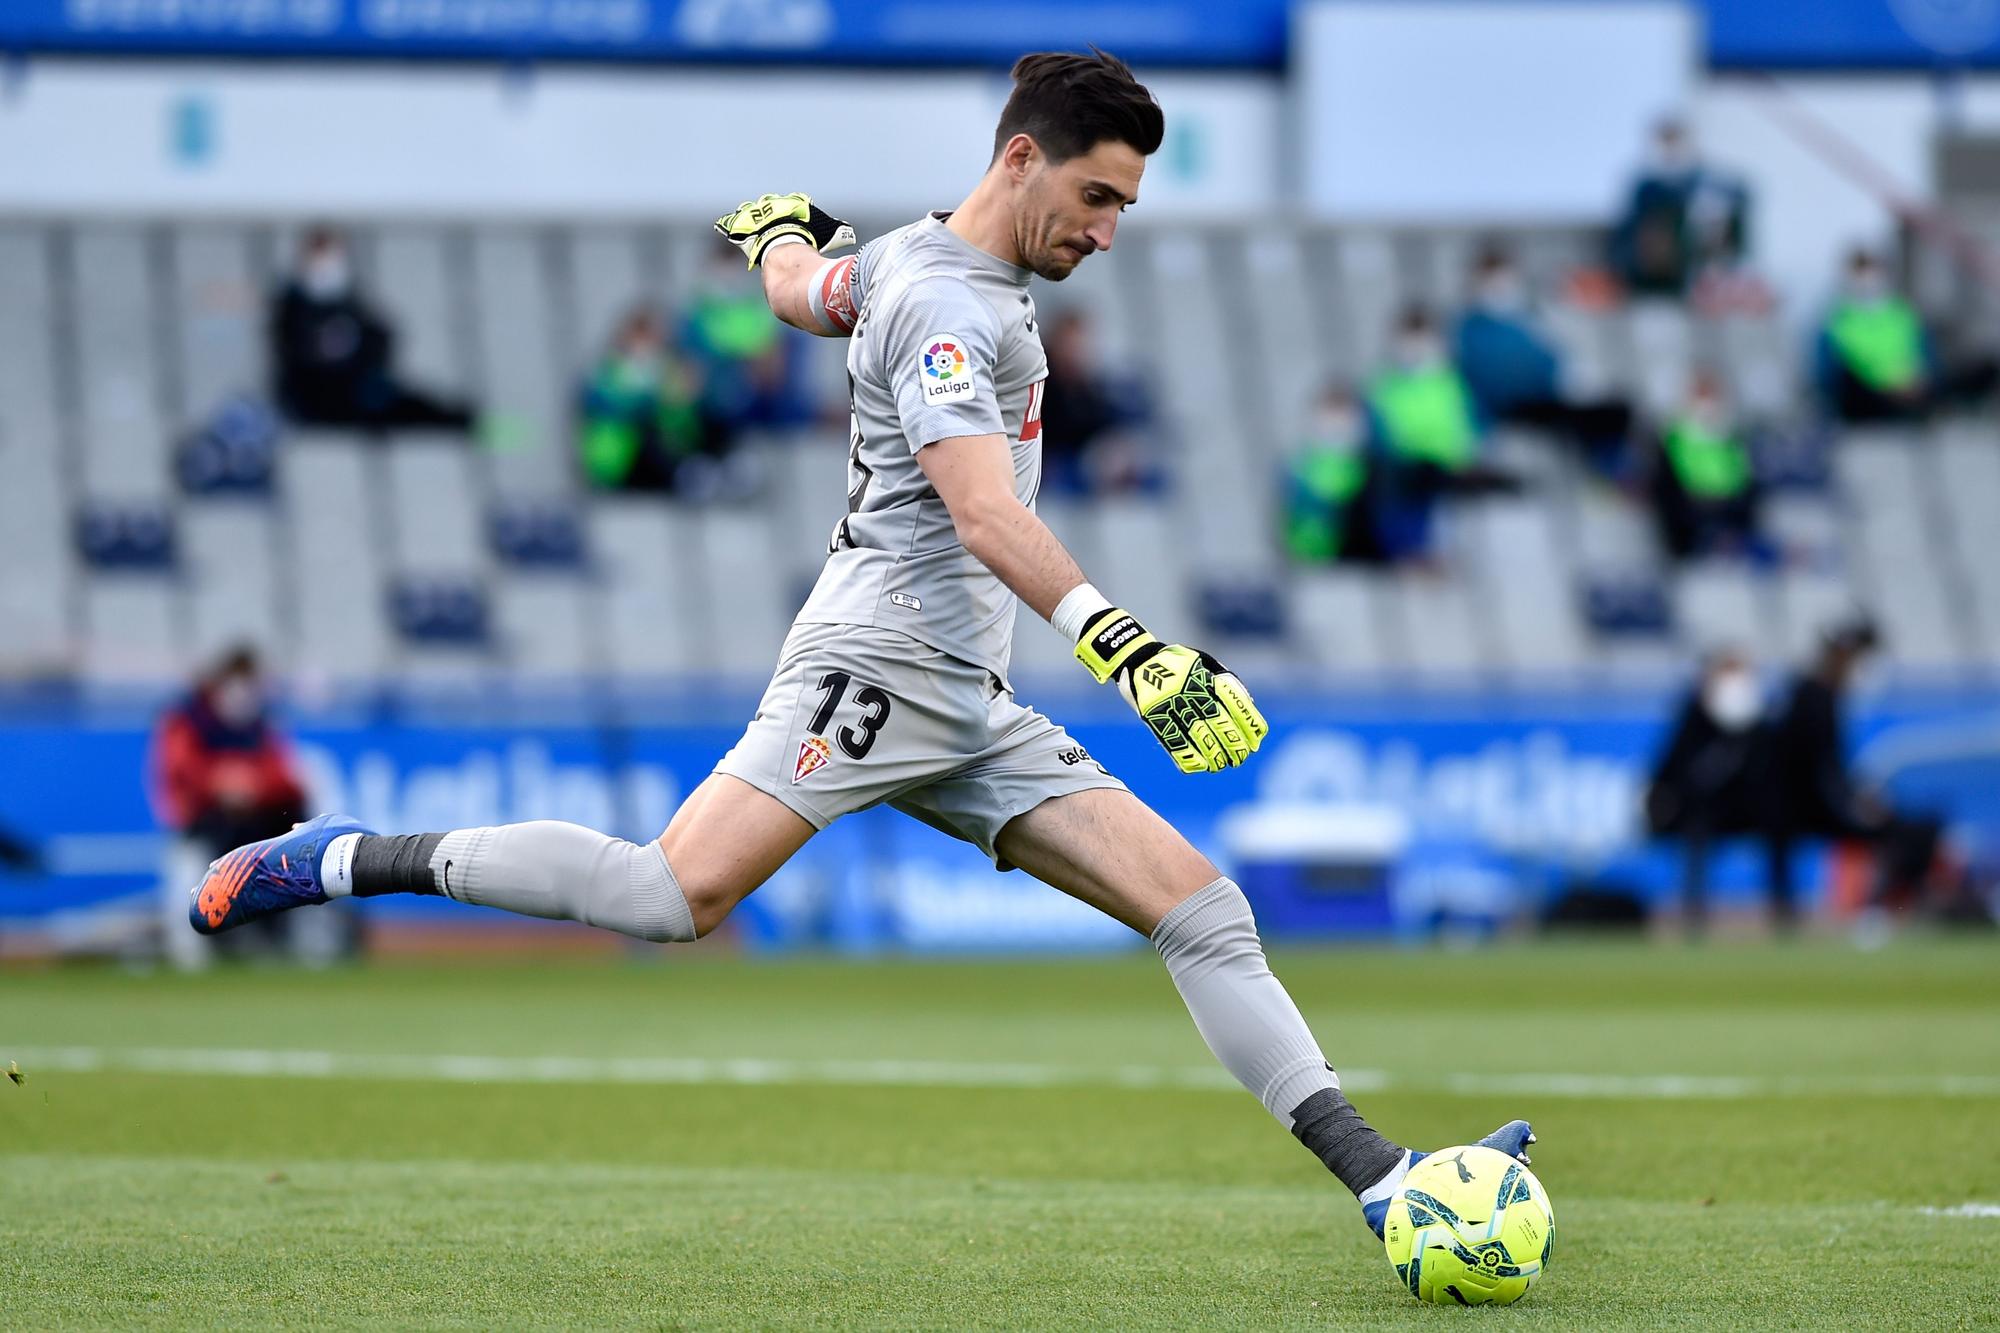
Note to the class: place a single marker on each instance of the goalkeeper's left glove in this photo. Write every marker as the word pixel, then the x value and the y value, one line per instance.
pixel 754 224
pixel 1197 709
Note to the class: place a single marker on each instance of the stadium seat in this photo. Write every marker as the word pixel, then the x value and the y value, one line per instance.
pixel 1662 352
pixel 119 406
pixel 416 276
pixel 536 535
pixel 542 624
pixel 439 610
pixel 1525 579
pixel 434 500
pixel 1969 483
pixel 1202 391
pixel 129 534
pixel 520 363
pixel 332 485
pixel 1337 618
pixel 217 319
pixel 1143 561
pixel 1810 602
pixel 1275 309
pixel 231 579
pixel 650 608
pixel 748 611
pixel 35 563
pixel 1438 624
pixel 607 279
pixel 808 497
pixel 1364 266
pixel 1721 604
pixel 1894 530
pixel 131 628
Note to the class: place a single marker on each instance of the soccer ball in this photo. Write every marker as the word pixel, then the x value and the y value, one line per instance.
pixel 1469 1226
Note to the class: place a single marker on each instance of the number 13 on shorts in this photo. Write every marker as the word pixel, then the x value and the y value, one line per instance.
pixel 871 708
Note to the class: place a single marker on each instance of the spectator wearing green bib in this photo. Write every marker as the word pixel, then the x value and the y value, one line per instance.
pixel 1431 436
pixel 1326 484
pixel 1876 359
pixel 639 422
pixel 1705 485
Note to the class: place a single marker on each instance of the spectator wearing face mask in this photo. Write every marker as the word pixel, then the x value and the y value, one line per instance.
pixel 1876 361
pixel 1514 368
pixel 1704 482
pixel 1093 436
pixel 1712 780
pixel 335 355
pixel 1682 220
pixel 1326 483
pixel 221 776
pixel 640 423
pixel 1431 437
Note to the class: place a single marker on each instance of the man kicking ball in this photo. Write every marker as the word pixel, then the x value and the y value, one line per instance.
pixel 892 685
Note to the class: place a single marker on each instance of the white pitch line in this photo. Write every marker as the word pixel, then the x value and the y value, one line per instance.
pixel 1964 1210
pixel 752 1072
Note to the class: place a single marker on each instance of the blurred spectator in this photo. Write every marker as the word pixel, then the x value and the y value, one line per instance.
pixel 747 364
pixel 1875 359
pixel 1682 220
pixel 1431 437
pixel 1816 794
pixel 1092 441
pixel 17 853
pixel 1704 483
pixel 1514 368
pixel 641 419
pixel 1713 779
pixel 334 354
pixel 221 777
pixel 1326 480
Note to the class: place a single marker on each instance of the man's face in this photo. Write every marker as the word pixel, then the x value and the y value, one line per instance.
pixel 1066 210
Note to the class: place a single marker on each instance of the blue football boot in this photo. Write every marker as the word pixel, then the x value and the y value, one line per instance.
pixel 261 878
pixel 1511 1138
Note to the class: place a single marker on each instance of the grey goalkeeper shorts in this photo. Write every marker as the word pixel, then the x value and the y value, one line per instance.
pixel 856 716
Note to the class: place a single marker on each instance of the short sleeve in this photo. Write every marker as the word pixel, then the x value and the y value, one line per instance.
pixel 943 345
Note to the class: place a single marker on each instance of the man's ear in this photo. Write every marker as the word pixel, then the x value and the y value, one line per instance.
pixel 1018 156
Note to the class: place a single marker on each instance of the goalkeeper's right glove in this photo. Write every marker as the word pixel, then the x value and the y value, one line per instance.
pixel 1196 707
pixel 755 223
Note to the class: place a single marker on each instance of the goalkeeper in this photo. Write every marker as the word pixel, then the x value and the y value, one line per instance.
pixel 892 685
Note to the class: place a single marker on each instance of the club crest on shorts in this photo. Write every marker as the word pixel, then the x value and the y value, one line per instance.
pixel 813 754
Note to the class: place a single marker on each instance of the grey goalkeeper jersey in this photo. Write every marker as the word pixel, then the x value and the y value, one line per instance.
pixel 945 344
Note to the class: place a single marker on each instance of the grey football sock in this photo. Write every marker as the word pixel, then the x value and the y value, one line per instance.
pixel 568 873
pixel 1210 946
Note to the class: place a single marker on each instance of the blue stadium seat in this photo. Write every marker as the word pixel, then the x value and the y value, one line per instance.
pixel 131 535
pixel 440 610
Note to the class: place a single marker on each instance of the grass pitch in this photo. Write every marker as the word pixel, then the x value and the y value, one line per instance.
pixel 1741 1137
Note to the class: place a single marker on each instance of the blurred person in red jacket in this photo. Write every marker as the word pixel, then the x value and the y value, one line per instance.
pixel 221 775
pixel 221 771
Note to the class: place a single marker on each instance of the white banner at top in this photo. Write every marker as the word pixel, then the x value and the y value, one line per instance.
pixel 103 138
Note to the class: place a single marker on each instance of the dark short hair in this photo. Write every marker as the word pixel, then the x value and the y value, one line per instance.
pixel 1069 104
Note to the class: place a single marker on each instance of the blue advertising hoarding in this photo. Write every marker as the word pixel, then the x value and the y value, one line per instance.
pixel 1741 34
pixel 1526 794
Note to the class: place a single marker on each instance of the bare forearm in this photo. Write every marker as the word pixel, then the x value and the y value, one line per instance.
pixel 1023 554
pixel 787 271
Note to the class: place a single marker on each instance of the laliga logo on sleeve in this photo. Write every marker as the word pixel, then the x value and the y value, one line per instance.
pixel 945 374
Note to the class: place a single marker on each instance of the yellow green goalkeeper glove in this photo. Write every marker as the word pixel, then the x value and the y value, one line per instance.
pixel 755 223
pixel 1197 709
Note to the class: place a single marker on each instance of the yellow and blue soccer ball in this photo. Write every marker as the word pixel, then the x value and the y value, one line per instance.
pixel 1470 1226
